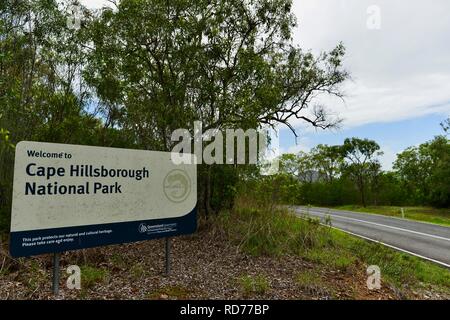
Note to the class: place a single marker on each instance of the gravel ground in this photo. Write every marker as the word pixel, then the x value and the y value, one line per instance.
pixel 204 266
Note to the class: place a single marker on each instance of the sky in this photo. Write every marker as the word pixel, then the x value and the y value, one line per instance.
pixel 398 56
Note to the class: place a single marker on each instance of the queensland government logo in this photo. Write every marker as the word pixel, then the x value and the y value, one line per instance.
pixel 177 185
pixel 158 228
pixel 142 228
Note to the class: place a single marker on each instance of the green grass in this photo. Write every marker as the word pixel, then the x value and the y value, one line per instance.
pixel 425 214
pixel 137 271
pixel 396 267
pixel 262 232
pixel 252 285
pixel 311 282
pixel 91 275
pixel 334 257
pixel 309 278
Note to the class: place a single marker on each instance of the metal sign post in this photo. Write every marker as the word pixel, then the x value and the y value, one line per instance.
pixel 167 256
pixel 56 272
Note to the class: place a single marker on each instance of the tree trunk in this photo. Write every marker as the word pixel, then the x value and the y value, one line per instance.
pixel 361 189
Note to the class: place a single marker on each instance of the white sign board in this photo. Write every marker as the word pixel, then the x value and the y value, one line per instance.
pixel 69 197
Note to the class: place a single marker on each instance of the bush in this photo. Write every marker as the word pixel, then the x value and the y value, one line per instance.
pixel 91 275
pixel 254 285
pixel 260 231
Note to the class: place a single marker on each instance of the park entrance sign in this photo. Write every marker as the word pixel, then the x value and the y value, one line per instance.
pixel 69 197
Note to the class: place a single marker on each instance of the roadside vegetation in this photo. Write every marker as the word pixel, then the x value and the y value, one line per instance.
pixel 253 250
pixel 350 175
pixel 259 230
pixel 251 285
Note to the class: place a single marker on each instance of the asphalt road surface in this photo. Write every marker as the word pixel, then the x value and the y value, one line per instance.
pixel 425 240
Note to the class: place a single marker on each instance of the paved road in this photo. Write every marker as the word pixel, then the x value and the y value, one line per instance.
pixel 423 239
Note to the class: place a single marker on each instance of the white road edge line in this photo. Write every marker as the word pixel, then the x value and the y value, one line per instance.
pixel 394 247
pixel 381 225
pixel 388 245
pixel 385 216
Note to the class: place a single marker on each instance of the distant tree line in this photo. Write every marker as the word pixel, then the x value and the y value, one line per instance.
pixel 351 174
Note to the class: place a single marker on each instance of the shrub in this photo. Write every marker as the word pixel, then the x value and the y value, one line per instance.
pixel 254 285
pixel 259 230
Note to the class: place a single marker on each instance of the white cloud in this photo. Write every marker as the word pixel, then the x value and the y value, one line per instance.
pixel 399 72
pixel 301 145
pixel 388 157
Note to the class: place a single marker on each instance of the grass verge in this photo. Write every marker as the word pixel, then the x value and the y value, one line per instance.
pixel 253 285
pixel 424 214
pixel 258 231
pixel 91 275
pixel 312 283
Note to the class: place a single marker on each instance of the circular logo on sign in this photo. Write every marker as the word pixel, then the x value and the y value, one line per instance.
pixel 177 185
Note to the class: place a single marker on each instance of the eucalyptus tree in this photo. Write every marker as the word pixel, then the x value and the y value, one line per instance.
pixel 41 89
pixel 361 164
pixel 159 65
pixel 445 125
pixel 299 166
pixel 42 94
pixel 328 160
pixel 162 64
pixel 424 172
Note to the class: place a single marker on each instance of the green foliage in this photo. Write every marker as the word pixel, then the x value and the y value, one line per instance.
pixel 259 231
pixel 275 232
pixel 328 175
pixel 337 192
pixel 223 180
pixel 90 276
pixel 231 64
pixel 333 257
pixel 252 285
pixel 424 172
pixel 351 174
pixel 311 282
pixel 361 166
pixel 309 278
pixel 399 268
pixel 160 65
pixel 328 161
pixel 6 151
pixel 42 95
pixel 5 140
pixel 137 271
